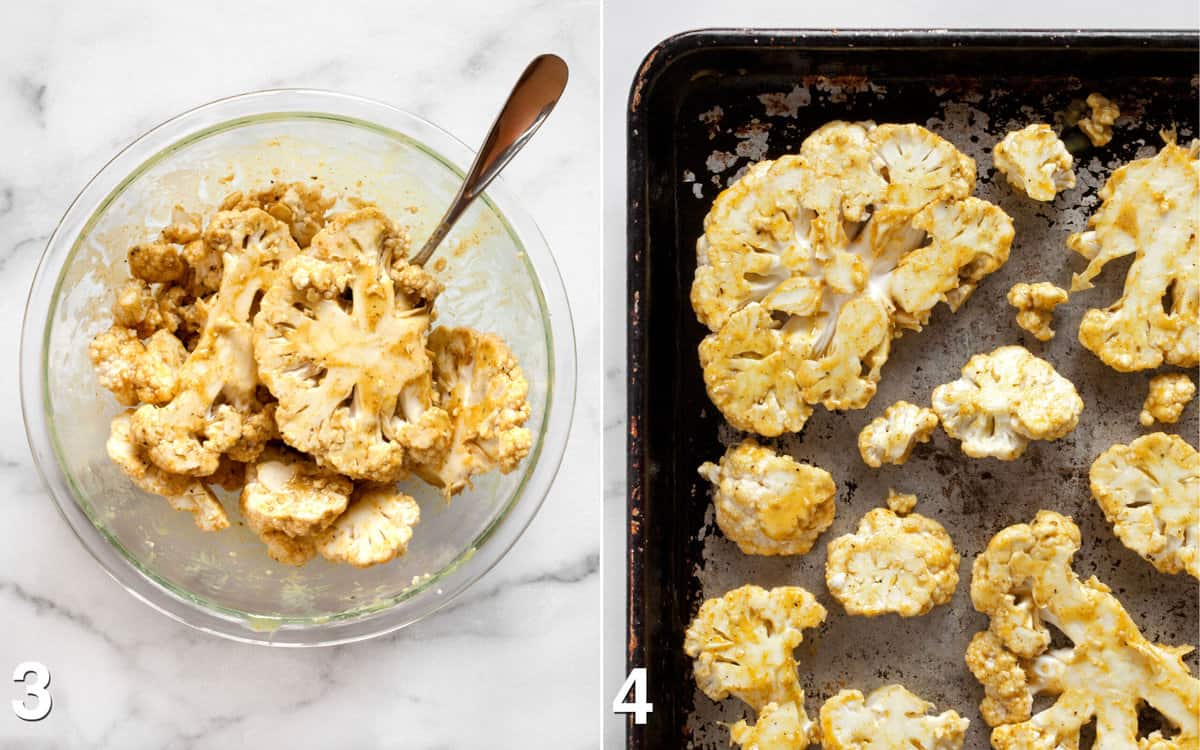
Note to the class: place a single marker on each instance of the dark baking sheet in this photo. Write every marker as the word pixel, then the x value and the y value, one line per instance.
pixel 907 76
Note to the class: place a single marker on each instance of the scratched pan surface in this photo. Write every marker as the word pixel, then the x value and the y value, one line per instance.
pixel 707 104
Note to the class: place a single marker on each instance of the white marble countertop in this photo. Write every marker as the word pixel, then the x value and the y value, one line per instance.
pixel 514 660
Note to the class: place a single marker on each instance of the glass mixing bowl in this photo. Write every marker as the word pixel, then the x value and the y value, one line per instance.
pixel 499 276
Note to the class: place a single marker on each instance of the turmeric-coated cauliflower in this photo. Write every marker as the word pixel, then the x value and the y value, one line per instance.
pixel 1005 399
pixel 218 409
pixel 1149 491
pixel 769 504
pixel 1024 582
pixel 901 503
pixel 905 565
pixel 811 264
pixel 1035 305
pixel 890 439
pixel 1168 396
pixel 286 492
pixel 890 718
pixel 1097 126
pixel 136 370
pixel 778 727
pixel 342 348
pixel 1151 210
pixel 182 492
pixel 375 528
pixel 479 384
pixel 742 645
pixel 299 205
pixel 1035 162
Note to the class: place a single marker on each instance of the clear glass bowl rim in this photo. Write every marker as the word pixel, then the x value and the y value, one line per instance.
pixel 456 155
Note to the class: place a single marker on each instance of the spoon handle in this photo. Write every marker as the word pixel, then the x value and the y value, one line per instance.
pixel 532 98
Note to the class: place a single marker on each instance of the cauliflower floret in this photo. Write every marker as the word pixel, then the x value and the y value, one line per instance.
pixel 1149 491
pixel 299 205
pixel 157 262
pixel 742 645
pixel 1035 162
pixel 892 564
pixel 1151 208
pixel 778 727
pixel 286 492
pixel 218 409
pixel 1098 125
pixel 481 386
pixel 375 528
pixel 1005 399
pixel 136 370
pixel 1023 581
pixel 811 264
pixel 147 309
pixel 767 503
pixel 1035 305
pixel 901 503
pixel 890 718
pixel 1168 396
pixel 182 492
pixel 344 352
pixel 890 439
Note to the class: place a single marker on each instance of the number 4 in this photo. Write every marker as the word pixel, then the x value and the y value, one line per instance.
pixel 640 708
pixel 36 690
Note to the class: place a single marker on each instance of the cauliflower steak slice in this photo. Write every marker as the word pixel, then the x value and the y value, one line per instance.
pixel 479 384
pixel 890 718
pixel 890 439
pixel 1150 209
pixel 811 264
pixel 1035 162
pixel 1005 399
pixel 375 528
pixel 343 349
pixel 1149 491
pixel 1024 582
pixel 769 504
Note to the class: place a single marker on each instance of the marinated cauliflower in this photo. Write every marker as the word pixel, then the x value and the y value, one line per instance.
pixel 299 205
pixel 1024 582
pixel 1149 491
pixel 742 645
pixel 890 718
pixel 901 503
pixel 1035 305
pixel 1098 125
pixel 287 493
pixel 1168 396
pixel 375 528
pixel 905 565
pixel 890 439
pixel 1150 209
pixel 770 504
pixel 778 727
pixel 811 264
pixel 1005 399
pixel 1035 162
pixel 136 370
pixel 343 349
pixel 481 387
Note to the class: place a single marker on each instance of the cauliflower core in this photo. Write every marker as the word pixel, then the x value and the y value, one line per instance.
pixel 769 504
pixel 890 718
pixel 1024 582
pixel 1035 162
pixel 342 347
pixel 905 565
pixel 742 645
pixel 1005 399
pixel 890 439
pixel 1168 396
pixel 1035 305
pixel 811 264
pixel 481 387
pixel 1150 209
pixel 1098 125
pixel 1149 491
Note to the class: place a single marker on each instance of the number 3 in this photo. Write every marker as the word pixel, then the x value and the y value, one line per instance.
pixel 36 690
pixel 640 708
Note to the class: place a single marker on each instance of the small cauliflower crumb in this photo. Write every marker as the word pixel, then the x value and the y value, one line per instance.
pixel 1035 162
pixel 1098 125
pixel 1149 491
pixel 901 503
pixel 890 439
pixel 770 504
pixel 906 565
pixel 890 718
pixel 1169 395
pixel 1035 305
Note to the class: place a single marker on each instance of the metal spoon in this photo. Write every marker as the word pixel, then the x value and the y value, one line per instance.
pixel 534 95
